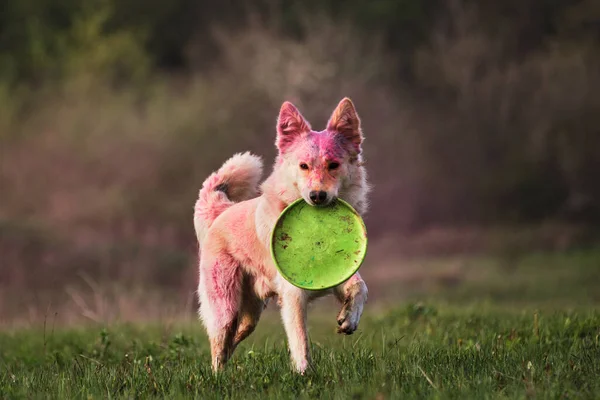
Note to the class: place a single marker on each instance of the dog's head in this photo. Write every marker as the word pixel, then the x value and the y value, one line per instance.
pixel 319 163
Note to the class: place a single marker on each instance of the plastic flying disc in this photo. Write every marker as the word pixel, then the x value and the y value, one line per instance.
pixel 318 247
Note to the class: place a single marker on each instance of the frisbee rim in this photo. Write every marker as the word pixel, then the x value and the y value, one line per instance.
pixel 354 270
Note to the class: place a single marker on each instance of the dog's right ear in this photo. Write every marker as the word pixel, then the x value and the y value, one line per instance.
pixel 290 126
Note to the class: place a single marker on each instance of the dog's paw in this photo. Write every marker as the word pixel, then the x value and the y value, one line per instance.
pixel 302 367
pixel 347 321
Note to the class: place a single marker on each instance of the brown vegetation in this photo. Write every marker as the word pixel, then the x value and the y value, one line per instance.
pixel 99 173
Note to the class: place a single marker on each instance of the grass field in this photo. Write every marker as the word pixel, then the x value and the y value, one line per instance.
pixel 504 336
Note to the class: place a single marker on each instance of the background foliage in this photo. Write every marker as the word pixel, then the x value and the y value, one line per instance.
pixel 477 114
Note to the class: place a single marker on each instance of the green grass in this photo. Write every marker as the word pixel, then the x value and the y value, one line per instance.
pixel 490 327
pixel 414 351
pixel 547 280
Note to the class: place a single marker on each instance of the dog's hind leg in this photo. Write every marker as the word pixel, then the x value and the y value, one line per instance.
pixel 353 296
pixel 220 292
pixel 251 308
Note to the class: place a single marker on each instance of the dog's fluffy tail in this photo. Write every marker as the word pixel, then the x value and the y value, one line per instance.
pixel 237 180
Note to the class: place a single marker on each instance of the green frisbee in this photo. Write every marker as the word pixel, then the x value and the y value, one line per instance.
pixel 318 247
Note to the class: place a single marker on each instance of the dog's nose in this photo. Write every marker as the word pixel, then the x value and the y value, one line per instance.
pixel 318 197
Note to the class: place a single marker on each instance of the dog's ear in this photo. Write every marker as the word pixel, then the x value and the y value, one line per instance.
pixel 345 121
pixel 290 125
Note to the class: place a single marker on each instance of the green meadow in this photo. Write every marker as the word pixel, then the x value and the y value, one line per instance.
pixel 495 335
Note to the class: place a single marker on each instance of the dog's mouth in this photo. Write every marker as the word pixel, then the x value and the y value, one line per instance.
pixel 326 203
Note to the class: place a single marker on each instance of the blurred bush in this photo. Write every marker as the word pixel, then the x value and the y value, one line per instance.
pixel 113 112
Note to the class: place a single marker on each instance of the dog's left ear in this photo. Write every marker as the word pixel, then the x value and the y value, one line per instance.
pixel 345 121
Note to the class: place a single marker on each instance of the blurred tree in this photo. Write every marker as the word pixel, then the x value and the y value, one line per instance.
pixel 44 40
pixel 507 86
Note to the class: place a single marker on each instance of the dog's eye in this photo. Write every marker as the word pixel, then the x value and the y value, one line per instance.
pixel 304 166
pixel 334 165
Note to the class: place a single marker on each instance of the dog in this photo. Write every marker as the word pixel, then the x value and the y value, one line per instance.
pixel 234 218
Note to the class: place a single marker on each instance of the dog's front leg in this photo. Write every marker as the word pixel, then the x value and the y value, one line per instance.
pixel 293 312
pixel 353 296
